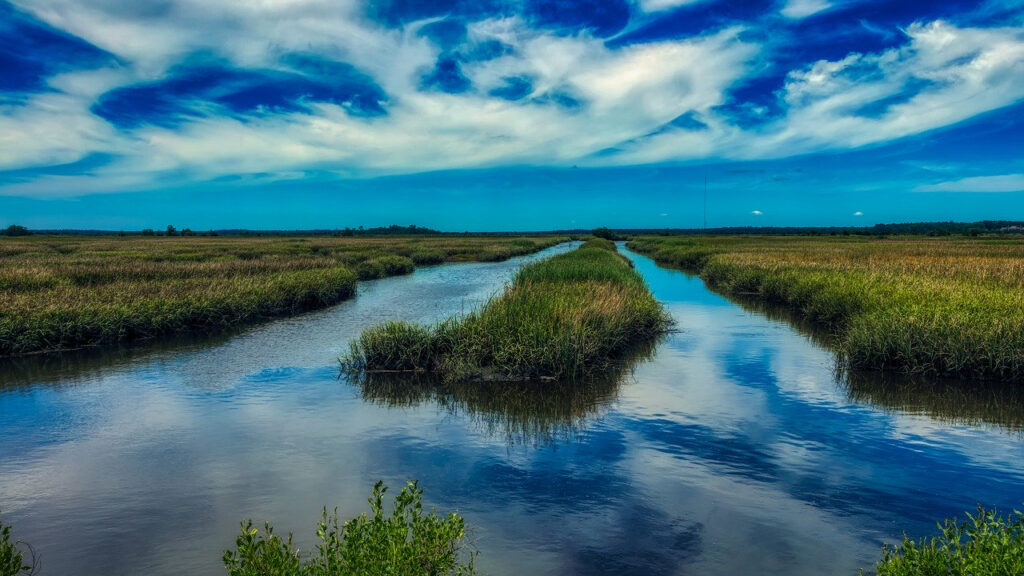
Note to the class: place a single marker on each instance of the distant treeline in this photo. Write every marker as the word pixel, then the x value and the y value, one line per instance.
pixel 910 228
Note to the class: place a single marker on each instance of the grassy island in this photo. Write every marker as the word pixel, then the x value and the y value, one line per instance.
pixel 569 317
pixel 931 306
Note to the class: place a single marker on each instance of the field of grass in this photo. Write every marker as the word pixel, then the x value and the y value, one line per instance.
pixel 569 317
pixel 932 306
pixel 65 292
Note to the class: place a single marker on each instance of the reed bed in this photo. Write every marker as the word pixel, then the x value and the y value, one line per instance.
pixel 932 306
pixel 569 317
pixel 65 292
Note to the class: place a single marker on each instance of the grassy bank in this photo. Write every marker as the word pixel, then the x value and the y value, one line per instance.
pixel 934 306
pixel 568 317
pixel 63 292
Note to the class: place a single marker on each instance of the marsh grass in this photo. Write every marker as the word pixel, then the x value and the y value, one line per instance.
pixel 384 266
pixel 66 292
pixel 569 317
pixel 985 544
pixel 946 307
pixel 406 541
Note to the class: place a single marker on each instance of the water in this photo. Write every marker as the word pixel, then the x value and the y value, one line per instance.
pixel 732 449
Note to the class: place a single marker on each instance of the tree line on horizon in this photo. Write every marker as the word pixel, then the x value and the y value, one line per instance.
pixel 906 228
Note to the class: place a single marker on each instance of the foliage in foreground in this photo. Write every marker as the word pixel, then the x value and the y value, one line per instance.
pixel 61 292
pixel 405 542
pixel 569 317
pixel 12 559
pixel 986 544
pixel 921 306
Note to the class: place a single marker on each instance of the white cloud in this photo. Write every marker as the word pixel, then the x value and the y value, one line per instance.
pixel 1000 183
pixel 858 213
pixel 757 212
pixel 797 9
pixel 628 96
pixel 661 5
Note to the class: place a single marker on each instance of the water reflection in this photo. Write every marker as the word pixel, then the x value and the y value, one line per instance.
pixel 522 412
pixel 954 401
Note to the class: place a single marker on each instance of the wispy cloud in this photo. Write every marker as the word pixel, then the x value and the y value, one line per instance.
pixel 757 213
pixel 999 183
pixel 858 213
pixel 803 8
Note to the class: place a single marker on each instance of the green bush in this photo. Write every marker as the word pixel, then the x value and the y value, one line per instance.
pixel 985 544
pixel 12 559
pixel 405 542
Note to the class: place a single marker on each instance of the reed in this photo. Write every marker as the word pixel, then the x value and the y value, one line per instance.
pixel 65 292
pixel 569 317
pixel 930 306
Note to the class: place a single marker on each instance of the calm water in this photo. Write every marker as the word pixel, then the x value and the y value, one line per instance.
pixel 732 449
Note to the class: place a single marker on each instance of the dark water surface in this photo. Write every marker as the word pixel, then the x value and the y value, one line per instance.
pixel 733 449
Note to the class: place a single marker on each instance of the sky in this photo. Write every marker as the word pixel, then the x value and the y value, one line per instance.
pixel 473 115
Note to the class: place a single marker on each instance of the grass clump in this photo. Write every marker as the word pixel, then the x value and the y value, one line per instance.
pixel 384 266
pixel 12 559
pixel 926 306
pixel 986 544
pixel 568 317
pixel 405 542
pixel 64 292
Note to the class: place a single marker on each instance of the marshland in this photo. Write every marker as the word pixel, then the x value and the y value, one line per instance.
pixel 63 292
pixel 579 409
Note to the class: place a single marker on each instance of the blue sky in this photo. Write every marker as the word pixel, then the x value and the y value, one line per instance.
pixel 509 114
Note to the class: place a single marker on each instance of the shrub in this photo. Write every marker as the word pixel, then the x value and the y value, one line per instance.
pixel 985 544
pixel 12 559
pixel 405 542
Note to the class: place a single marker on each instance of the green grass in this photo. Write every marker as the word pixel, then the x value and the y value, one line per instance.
pixel 407 541
pixel 65 292
pixel 12 558
pixel 571 316
pixel 384 266
pixel 930 306
pixel 985 544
